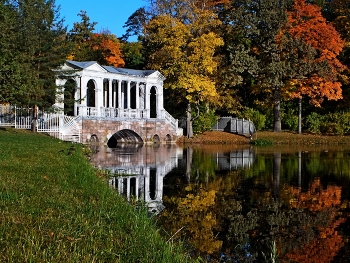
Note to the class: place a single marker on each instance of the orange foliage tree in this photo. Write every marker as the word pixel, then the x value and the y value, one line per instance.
pixel 307 23
pixel 107 48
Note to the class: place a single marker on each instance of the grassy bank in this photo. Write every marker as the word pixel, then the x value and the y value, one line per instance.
pixel 53 208
pixel 266 137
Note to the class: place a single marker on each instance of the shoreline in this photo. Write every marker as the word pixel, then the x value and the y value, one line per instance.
pixel 281 138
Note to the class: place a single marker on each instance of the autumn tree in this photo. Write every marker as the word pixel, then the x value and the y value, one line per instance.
pixel 181 44
pixel 338 13
pixel 254 51
pixel 102 47
pixel 106 49
pixel 307 23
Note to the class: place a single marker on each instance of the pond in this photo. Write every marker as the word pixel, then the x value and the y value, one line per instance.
pixel 241 203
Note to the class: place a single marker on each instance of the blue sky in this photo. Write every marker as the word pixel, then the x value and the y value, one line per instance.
pixel 109 14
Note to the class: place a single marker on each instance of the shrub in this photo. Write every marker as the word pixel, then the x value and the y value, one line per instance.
pixel 255 116
pixel 290 119
pixel 313 122
pixel 205 121
pixel 336 123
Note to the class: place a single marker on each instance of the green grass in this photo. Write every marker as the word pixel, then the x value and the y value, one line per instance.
pixel 54 208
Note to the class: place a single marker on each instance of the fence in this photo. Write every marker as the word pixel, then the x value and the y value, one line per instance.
pixel 55 124
pixel 235 125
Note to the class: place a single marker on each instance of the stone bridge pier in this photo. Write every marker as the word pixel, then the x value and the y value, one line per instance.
pixel 111 132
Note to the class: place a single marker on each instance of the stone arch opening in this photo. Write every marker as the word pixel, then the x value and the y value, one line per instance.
pixel 153 102
pixel 90 94
pixel 69 96
pixel 94 138
pixel 168 138
pixel 156 138
pixel 124 136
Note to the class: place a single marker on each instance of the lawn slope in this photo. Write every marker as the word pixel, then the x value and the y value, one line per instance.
pixel 53 208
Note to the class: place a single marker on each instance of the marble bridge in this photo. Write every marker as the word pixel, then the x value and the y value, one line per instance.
pixel 111 105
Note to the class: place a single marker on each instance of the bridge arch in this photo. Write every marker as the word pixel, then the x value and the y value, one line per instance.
pixel 168 138
pixel 156 138
pixel 124 136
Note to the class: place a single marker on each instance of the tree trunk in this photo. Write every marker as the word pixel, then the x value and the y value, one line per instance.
pixel 277 110
pixel 35 117
pixel 189 121
pixel 299 168
pixel 299 117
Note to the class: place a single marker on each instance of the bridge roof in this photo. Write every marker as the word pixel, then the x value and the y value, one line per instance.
pixel 111 69
pixel 126 71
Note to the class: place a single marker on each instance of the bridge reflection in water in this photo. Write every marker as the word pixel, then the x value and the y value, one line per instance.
pixel 138 170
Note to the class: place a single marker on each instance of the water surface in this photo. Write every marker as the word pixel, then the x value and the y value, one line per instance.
pixel 241 204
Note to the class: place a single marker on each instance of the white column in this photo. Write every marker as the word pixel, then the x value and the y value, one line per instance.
pixel 83 87
pixel 159 186
pixel 147 189
pixel 60 98
pixel 137 188
pixel 110 90
pixel 76 96
pixel 128 95
pixel 115 103
pixel 137 96
pixel 147 101
pixel 160 103
pixel 120 185
pixel 99 95
pixel 119 94
pixel 128 188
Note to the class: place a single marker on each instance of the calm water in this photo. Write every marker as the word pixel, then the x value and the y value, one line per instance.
pixel 288 204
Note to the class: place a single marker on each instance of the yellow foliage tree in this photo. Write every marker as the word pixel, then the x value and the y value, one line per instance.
pixel 182 45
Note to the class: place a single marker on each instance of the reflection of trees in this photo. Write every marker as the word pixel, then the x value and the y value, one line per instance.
pixel 242 213
pixel 193 215
pixel 301 224
pixel 326 244
pixel 203 167
pixel 216 220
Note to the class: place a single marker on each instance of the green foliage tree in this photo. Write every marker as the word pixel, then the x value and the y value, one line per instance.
pixel 38 46
pixel 10 79
pixel 80 35
pixel 133 55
